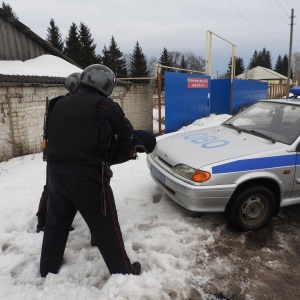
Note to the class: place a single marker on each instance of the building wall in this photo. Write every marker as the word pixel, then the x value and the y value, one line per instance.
pixel 22 111
pixel 136 102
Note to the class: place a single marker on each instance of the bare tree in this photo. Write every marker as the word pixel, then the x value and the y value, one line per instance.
pixel 296 67
pixel 127 57
pixel 194 62
pixel 176 58
pixel 151 65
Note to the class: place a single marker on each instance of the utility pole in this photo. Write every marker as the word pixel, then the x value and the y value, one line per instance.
pixel 290 56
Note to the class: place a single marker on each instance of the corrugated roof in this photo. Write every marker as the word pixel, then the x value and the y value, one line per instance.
pixel 31 79
pixel 21 79
pixel 33 36
pixel 261 73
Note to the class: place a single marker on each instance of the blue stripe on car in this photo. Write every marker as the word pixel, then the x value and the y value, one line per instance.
pixel 256 164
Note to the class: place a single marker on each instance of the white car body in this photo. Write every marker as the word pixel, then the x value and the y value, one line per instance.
pixel 235 158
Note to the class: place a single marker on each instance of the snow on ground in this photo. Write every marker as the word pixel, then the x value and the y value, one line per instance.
pixel 168 241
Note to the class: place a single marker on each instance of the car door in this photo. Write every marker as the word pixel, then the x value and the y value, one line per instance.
pixel 296 187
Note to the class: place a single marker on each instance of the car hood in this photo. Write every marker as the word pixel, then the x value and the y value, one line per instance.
pixel 207 146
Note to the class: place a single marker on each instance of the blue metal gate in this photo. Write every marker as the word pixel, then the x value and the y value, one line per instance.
pixel 244 93
pixel 187 98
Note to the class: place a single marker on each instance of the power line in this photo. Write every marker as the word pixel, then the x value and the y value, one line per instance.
pixel 284 20
pixel 286 5
pixel 267 11
pixel 250 22
pixel 297 26
pixel 280 5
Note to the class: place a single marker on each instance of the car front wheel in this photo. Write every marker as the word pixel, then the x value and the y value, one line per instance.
pixel 251 209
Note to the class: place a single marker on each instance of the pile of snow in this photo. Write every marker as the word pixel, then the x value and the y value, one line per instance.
pixel 167 240
pixel 44 65
pixel 212 120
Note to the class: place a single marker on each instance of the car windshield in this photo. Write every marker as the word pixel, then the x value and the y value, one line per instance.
pixel 278 122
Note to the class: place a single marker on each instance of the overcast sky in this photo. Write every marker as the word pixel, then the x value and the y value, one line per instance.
pixel 175 24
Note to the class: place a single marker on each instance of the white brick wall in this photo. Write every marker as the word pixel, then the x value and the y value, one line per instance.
pixel 22 114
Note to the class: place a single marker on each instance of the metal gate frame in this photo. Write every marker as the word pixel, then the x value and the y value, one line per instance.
pixel 159 77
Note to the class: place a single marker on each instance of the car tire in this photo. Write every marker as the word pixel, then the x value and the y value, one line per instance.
pixel 251 208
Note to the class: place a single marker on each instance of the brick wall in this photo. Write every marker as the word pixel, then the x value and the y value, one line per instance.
pixel 136 102
pixel 22 111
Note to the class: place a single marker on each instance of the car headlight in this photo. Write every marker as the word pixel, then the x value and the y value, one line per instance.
pixel 191 173
pixel 153 153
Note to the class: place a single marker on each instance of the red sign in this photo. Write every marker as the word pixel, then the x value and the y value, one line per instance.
pixel 197 83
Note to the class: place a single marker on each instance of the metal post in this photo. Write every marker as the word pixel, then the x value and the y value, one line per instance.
pixel 232 76
pixel 290 56
pixel 158 69
pixel 208 52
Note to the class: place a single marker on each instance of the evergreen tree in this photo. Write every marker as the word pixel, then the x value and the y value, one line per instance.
pixel 73 45
pixel 285 66
pixel 262 59
pixel 278 65
pixel 253 61
pixel 165 58
pixel 8 10
pixel 282 66
pixel 115 59
pixel 265 59
pixel 87 47
pixel 183 63
pixel 54 36
pixel 138 64
pixel 105 59
pixel 239 66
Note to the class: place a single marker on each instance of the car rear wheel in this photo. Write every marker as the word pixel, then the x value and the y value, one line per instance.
pixel 251 208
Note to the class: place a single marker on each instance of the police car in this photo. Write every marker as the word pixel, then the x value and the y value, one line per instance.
pixel 248 167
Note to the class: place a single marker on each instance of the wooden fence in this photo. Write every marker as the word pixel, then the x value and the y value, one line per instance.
pixel 276 90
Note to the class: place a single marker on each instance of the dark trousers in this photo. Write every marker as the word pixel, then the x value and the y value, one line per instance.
pixel 42 210
pixel 81 191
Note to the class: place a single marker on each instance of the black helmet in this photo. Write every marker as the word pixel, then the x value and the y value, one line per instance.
pixel 72 82
pixel 99 77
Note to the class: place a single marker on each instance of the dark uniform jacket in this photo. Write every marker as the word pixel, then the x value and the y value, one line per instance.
pixel 82 128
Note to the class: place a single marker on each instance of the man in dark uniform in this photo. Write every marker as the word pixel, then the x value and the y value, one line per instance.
pixel 81 128
pixel 71 84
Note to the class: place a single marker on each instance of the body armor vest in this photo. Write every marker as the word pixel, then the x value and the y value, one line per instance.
pixel 73 131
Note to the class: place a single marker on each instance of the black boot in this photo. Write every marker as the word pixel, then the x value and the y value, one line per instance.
pixel 41 224
pixel 136 268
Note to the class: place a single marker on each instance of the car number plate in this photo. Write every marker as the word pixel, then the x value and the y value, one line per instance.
pixel 157 174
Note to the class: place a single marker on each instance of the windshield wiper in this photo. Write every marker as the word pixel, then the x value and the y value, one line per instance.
pixel 234 127
pixel 260 134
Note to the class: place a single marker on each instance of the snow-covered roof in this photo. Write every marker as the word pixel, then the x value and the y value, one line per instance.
pixel 44 65
pixel 261 73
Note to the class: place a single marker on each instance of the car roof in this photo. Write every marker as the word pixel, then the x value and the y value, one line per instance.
pixel 294 101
